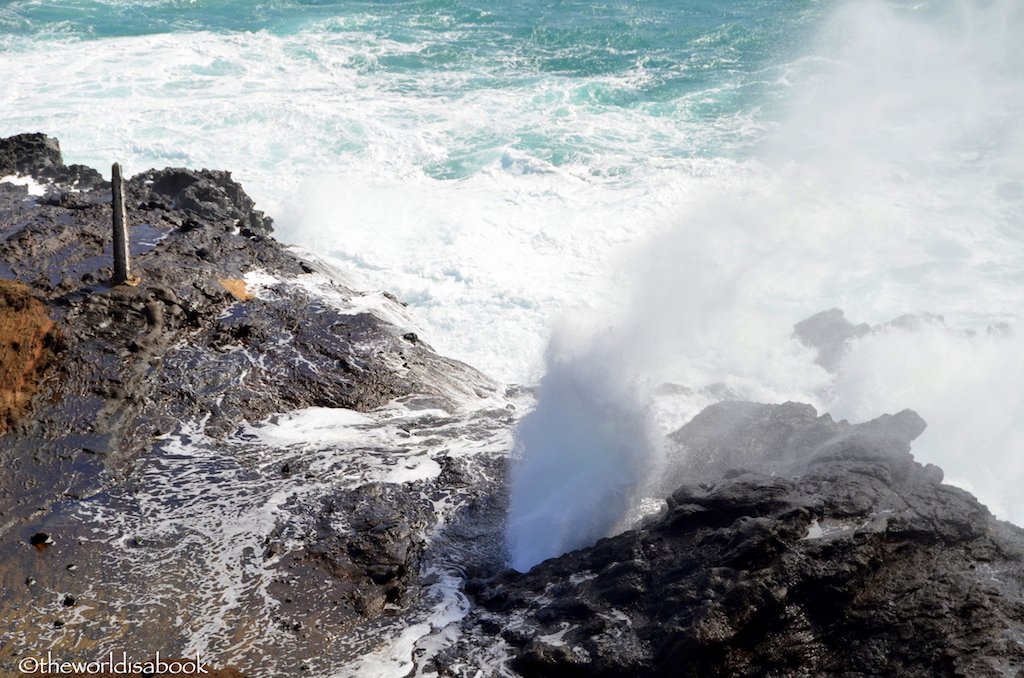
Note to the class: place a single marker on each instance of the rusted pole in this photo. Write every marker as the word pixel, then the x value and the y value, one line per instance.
pixel 122 265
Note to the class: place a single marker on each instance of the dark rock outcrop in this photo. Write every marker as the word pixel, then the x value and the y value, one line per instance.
pixel 206 195
pixel 224 326
pixel 135 360
pixel 847 559
pixel 830 333
pixel 39 156
pixel 29 154
pixel 369 541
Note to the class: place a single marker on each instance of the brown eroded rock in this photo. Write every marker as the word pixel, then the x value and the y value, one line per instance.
pixel 28 342
pixel 239 290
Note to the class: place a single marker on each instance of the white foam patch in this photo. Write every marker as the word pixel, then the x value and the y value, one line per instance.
pixel 416 645
pixel 200 512
pixel 412 469
pixel 314 426
pixel 259 281
pixel 394 659
pixel 34 187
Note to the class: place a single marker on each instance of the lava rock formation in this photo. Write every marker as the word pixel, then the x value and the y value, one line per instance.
pixel 841 556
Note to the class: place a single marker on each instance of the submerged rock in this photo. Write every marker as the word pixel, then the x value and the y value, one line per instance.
pixel 841 557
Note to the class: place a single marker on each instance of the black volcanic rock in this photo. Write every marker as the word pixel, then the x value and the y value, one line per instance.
pixel 371 563
pixel 848 558
pixel 38 155
pixel 735 435
pixel 189 339
pixel 29 154
pixel 221 328
pixel 830 333
pixel 207 195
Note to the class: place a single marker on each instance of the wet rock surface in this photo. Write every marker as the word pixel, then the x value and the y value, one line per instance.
pixel 849 559
pixel 136 360
pixel 369 541
pixel 223 327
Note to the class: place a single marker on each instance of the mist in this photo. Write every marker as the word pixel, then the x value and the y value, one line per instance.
pixel 894 185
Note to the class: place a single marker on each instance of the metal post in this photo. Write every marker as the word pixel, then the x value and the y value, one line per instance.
pixel 122 272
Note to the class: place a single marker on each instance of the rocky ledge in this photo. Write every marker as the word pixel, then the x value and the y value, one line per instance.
pixel 221 326
pixel 841 556
pixel 110 366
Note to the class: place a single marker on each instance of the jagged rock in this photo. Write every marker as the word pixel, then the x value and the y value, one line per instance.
pixel 736 435
pixel 830 333
pixel 207 195
pixel 29 154
pixel 369 541
pixel 195 341
pixel 39 156
pixel 847 559
pixel 137 360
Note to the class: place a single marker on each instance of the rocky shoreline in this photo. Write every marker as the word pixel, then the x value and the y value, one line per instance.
pixel 855 561
pixel 194 237
pixel 790 545
pixel 111 368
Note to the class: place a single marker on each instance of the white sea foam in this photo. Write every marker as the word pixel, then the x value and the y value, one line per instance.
pixel 488 262
pixel 423 189
pixel 200 512
pixel 34 187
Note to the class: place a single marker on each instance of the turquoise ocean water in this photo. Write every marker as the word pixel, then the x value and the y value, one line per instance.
pixel 504 133
pixel 614 194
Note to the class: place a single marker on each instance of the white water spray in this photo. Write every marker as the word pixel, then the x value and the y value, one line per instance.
pixel 897 186
pixel 585 454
